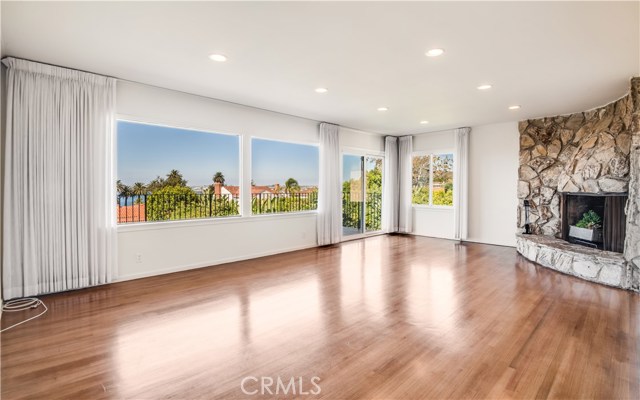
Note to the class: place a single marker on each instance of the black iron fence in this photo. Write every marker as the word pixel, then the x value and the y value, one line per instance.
pixel 268 203
pixel 353 210
pixel 168 207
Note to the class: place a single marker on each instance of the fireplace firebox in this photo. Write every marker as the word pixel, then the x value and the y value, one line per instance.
pixel 608 206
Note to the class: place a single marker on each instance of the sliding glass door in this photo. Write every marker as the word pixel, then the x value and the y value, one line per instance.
pixel 361 194
pixel 373 190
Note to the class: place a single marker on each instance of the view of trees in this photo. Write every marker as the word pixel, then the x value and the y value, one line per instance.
pixel 267 203
pixel 291 185
pixel 352 198
pixel 170 198
pixel 442 185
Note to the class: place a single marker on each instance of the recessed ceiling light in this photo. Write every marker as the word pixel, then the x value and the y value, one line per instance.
pixel 516 107
pixel 434 52
pixel 218 57
pixel 382 109
pixel 321 90
pixel 484 87
pixel 424 122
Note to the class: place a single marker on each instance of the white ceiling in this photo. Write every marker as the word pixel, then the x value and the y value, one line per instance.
pixel 552 58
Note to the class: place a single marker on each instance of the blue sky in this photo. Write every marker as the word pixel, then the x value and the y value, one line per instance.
pixel 352 163
pixel 275 162
pixel 146 151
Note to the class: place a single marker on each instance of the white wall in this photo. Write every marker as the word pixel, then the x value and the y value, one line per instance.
pixel 184 245
pixel 355 139
pixel 433 221
pixel 493 183
pixel 173 246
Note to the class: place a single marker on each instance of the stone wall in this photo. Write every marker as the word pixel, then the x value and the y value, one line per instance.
pixel 582 152
pixel 632 240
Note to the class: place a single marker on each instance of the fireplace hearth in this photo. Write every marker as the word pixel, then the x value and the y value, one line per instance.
pixel 610 235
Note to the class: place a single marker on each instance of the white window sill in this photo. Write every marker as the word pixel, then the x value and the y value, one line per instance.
pixel 144 226
pixel 428 207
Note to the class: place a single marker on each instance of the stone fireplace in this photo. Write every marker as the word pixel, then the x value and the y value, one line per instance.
pixel 583 162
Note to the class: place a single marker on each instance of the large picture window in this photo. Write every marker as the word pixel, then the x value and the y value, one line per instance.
pixel 167 173
pixel 432 179
pixel 284 177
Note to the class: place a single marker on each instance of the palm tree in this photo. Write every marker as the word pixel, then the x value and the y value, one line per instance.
pixel 174 178
pixel 125 191
pixel 156 184
pixel 291 185
pixel 218 178
pixel 138 190
pixel 120 187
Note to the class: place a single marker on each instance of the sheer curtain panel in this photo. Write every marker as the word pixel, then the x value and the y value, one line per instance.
pixel 59 186
pixel 329 223
pixel 461 183
pixel 390 185
pixel 405 213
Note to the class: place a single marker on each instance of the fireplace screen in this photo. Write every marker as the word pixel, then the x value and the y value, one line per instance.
pixel 594 220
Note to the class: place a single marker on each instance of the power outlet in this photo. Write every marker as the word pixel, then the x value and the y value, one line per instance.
pixel 138 258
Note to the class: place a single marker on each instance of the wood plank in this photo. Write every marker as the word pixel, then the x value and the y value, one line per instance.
pixel 384 317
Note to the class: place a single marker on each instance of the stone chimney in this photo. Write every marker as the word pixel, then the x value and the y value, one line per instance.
pixel 217 189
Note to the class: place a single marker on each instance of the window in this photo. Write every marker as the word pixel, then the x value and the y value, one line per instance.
pixel 167 173
pixel 284 177
pixel 361 194
pixel 432 179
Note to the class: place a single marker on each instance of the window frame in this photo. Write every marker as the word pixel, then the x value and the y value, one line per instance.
pixel 362 152
pixel 431 153
pixel 249 155
pixel 142 225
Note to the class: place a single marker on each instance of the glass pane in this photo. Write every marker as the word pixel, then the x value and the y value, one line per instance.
pixel 284 177
pixel 167 173
pixel 352 196
pixel 373 218
pixel 420 179
pixel 442 180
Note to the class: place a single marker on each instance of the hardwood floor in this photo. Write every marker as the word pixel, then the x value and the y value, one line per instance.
pixel 389 317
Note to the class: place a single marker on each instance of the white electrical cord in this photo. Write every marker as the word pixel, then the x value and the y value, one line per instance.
pixel 22 305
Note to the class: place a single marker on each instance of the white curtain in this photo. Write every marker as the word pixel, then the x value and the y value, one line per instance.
pixel 59 186
pixel 329 224
pixel 390 185
pixel 405 212
pixel 461 182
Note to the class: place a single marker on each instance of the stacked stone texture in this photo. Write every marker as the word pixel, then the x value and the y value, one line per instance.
pixel 582 152
pixel 632 239
pixel 597 151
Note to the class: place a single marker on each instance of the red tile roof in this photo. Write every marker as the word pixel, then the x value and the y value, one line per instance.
pixel 134 213
pixel 235 190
